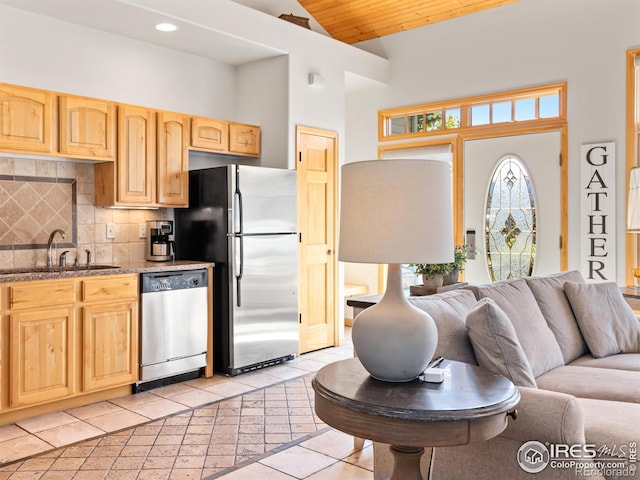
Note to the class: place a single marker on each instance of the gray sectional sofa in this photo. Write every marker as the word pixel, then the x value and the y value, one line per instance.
pixel 573 349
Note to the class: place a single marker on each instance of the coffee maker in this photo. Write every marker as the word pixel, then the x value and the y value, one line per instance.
pixel 159 246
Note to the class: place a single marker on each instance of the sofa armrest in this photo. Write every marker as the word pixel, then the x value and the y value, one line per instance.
pixel 547 416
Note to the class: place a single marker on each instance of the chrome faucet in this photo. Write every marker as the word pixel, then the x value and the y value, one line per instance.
pixel 50 246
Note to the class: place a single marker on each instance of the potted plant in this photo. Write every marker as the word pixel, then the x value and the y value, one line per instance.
pixel 432 273
pixel 459 260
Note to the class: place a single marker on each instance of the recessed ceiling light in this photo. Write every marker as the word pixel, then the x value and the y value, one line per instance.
pixel 166 27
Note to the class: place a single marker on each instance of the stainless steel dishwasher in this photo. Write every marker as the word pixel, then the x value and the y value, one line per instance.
pixel 173 321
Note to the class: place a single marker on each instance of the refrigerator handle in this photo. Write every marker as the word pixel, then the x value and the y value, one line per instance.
pixel 240 272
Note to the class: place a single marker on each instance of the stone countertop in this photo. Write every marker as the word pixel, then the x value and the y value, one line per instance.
pixel 40 273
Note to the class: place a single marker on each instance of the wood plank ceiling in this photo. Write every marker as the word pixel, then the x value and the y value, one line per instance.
pixel 354 21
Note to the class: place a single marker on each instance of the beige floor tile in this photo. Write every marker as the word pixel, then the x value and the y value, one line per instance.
pixel 158 408
pixel 196 398
pixel 307 365
pixel 362 458
pixel 130 401
pixel 22 447
pixel 257 471
pixel 69 433
pixel 258 380
pixel 229 388
pixel 155 474
pixel 46 422
pixel 333 443
pixel 298 462
pixel 174 389
pixel 117 420
pixel 185 474
pixel 91 475
pixel 342 470
pixel 11 431
pixel 286 372
pixel 94 410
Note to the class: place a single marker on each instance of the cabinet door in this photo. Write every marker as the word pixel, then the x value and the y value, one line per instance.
pixel 209 134
pixel 42 355
pixel 136 162
pixel 26 119
pixel 110 347
pixel 87 127
pixel 172 164
pixel 244 139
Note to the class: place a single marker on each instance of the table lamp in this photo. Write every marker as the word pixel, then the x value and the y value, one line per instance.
pixel 394 212
pixel 633 208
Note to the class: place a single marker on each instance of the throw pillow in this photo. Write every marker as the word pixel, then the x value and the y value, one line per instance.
pixel 449 310
pixel 557 312
pixel 536 338
pixel 496 344
pixel 606 320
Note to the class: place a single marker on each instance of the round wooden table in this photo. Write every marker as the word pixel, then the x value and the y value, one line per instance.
pixel 471 405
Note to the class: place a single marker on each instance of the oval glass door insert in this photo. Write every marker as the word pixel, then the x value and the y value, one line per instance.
pixel 510 231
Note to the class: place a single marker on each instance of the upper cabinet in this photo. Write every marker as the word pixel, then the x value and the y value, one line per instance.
pixel 173 159
pixel 27 119
pixel 152 165
pixel 221 136
pixel 87 127
pixel 244 139
pixel 209 134
pixel 142 154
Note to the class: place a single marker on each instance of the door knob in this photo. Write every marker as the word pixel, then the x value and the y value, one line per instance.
pixel 329 252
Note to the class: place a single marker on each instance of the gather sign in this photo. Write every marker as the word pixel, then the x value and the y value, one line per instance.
pixel 597 206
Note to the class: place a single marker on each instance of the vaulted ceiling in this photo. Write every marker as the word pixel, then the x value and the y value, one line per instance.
pixel 358 20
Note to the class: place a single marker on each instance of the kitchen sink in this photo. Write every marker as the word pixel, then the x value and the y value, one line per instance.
pixel 70 268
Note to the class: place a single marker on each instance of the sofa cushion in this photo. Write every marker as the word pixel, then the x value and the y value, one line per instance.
pixel 606 320
pixel 449 311
pixel 611 424
pixel 496 344
pixel 555 308
pixel 536 338
pixel 591 382
pixel 621 361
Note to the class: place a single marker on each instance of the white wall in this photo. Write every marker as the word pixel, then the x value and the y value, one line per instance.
pixel 45 53
pixel 527 43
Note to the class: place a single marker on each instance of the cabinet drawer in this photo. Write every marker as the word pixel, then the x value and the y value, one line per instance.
pixel 110 287
pixel 41 294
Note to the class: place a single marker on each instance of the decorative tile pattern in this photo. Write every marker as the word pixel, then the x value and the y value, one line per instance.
pixel 32 207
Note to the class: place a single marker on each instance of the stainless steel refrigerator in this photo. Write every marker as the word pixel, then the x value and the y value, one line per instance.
pixel 244 219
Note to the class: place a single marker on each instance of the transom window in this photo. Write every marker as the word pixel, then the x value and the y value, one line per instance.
pixel 514 107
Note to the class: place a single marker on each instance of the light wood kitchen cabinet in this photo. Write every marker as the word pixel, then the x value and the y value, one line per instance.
pixel 87 127
pixel 173 159
pixel 209 134
pixel 65 338
pixel 27 120
pixel 42 334
pixel 43 358
pixel 110 331
pixel 131 180
pixel 152 168
pixel 244 139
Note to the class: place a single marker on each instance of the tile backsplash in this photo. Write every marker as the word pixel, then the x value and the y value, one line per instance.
pixel 37 196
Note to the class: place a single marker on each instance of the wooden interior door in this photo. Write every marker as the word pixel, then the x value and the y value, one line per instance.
pixel 317 160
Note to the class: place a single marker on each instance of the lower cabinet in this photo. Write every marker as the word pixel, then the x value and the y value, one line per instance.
pixel 42 356
pixel 56 347
pixel 110 345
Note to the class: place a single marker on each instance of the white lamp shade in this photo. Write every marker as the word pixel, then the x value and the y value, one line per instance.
pixel 396 211
pixel 633 205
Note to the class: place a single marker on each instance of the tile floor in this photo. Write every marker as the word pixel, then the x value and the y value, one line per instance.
pixel 259 425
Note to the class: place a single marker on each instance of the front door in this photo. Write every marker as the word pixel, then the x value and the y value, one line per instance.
pixel 317 160
pixel 518 231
